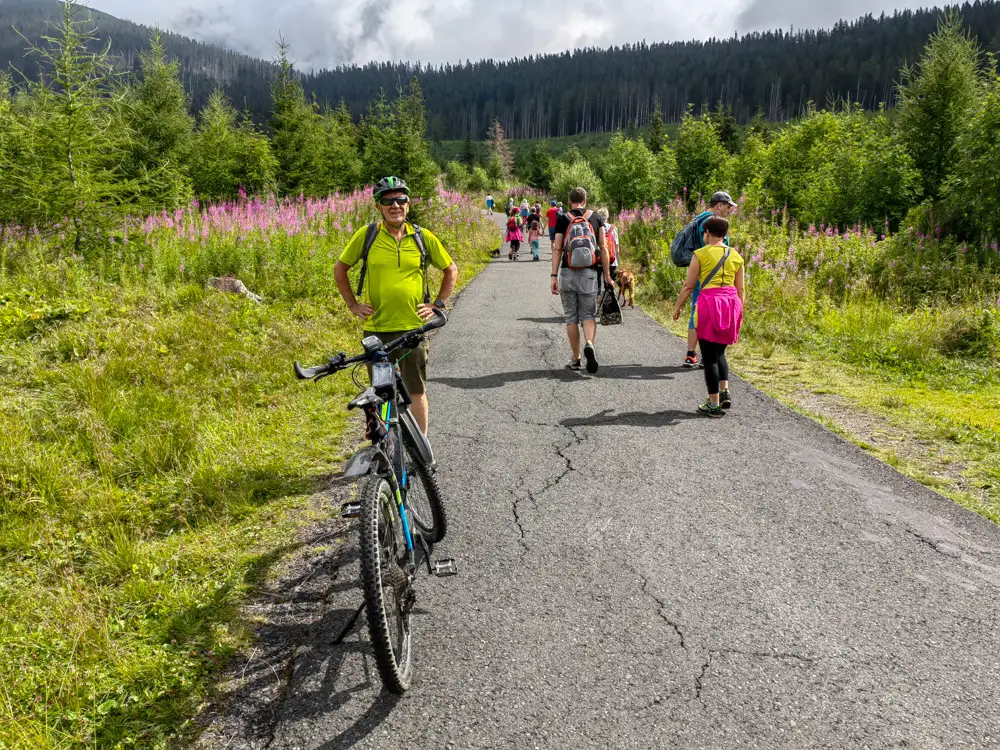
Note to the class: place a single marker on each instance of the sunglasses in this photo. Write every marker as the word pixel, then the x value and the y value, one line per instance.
pixel 401 200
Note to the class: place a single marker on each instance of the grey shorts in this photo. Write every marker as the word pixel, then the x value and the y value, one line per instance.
pixel 578 291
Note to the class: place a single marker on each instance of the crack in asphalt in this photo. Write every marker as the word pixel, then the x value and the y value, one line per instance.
pixel 661 609
pixel 933 544
pixel 699 681
pixel 575 439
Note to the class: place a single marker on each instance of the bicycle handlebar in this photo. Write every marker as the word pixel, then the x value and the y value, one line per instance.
pixel 341 360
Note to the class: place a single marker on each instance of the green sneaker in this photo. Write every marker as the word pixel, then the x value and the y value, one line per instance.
pixel 724 400
pixel 710 410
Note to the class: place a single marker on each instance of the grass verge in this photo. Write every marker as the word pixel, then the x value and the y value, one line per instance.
pixel 157 457
pixel 930 426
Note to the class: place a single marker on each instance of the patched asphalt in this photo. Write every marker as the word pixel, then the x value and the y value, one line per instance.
pixel 634 575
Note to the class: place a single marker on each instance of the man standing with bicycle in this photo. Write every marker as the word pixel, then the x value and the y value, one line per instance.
pixel 395 255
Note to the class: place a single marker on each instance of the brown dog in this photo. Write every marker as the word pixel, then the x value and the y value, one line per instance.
pixel 626 283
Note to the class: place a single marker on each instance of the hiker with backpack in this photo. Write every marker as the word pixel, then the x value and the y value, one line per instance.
pixel 579 259
pixel 611 240
pixel 535 230
pixel 514 235
pixel 551 217
pixel 718 271
pixel 682 250
pixel 394 256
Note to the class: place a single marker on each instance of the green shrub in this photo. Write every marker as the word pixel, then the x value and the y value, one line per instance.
pixel 578 173
pixel 973 333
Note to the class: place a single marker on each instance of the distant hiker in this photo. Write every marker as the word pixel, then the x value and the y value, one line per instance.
pixel 578 258
pixel 718 271
pixel 550 219
pixel 489 204
pixel 394 256
pixel 514 235
pixel 534 232
pixel 510 205
pixel 524 210
pixel 682 250
pixel 611 240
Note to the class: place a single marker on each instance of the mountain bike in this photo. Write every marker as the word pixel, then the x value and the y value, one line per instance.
pixel 400 505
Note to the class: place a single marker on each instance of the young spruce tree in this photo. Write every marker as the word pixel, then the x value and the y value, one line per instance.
pixel 297 137
pixel 163 129
pixel 228 155
pixel 72 138
pixel 937 99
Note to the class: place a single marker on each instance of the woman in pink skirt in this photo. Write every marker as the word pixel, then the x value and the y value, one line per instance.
pixel 719 311
pixel 514 235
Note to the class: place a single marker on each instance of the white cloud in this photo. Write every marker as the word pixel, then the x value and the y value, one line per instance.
pixel 325 33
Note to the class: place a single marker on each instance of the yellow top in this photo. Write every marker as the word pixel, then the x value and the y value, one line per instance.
pixel 709 257
pixel 395 282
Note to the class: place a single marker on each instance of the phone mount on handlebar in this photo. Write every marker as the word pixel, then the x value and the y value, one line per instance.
pixel 371 344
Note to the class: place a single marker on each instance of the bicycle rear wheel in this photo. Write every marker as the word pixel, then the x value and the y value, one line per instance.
pixel 425 508
pixel 387 587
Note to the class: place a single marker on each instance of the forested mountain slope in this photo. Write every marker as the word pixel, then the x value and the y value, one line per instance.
pixel 774 73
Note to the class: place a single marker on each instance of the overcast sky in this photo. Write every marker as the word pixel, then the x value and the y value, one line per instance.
pixel 325 33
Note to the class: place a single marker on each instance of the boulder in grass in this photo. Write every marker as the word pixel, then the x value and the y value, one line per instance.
pixel 233 285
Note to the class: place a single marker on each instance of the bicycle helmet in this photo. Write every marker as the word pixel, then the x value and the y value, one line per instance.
pixel 389 185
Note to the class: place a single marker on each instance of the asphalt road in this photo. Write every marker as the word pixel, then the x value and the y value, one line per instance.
pixel 633 575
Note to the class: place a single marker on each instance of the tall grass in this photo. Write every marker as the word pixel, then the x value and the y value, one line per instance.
pixel 155 450
pixel 909 300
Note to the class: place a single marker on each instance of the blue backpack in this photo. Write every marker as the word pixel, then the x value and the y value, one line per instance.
pixel 688 240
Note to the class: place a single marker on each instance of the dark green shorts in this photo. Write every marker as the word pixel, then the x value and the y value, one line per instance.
pixel 412 362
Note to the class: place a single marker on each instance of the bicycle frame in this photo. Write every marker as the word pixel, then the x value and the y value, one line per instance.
pixel 391 426
pixel 390 412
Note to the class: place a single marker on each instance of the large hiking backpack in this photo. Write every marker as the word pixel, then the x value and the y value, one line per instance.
pixel 580 244
pixel 611 243
pixel 370 234
pixel 686 242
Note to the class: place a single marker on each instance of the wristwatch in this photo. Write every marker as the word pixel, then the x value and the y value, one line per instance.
pixel 439 303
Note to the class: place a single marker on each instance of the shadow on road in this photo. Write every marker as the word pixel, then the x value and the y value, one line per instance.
pixel 364 726
pixel 311 664
pixel 544 321
pixel 608 417
pixel 608 372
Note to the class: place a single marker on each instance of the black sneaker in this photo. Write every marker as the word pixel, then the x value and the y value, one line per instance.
pixel 724 400
pixel 574 364
pixel 710 410
pixel 588 352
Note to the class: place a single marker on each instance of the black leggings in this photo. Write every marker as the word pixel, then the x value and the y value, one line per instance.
pixel 515 245
pixel 713 356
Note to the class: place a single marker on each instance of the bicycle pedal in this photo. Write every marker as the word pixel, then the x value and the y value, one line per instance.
pixel 350 510
pixel 445 567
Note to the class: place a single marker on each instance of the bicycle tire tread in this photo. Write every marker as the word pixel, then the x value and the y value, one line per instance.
pixel 396 680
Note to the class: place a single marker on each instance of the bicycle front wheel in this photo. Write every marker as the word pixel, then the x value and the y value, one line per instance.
pixel 387 586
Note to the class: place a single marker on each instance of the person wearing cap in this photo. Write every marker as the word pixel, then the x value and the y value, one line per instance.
pixel 721 205
pixel 551 217
pixel 394 284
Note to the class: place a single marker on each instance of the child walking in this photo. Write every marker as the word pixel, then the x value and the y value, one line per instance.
pixel 514 235
pixel 534 232
pixel 719 309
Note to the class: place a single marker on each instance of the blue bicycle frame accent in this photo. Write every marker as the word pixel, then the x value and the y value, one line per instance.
pixel 386 416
